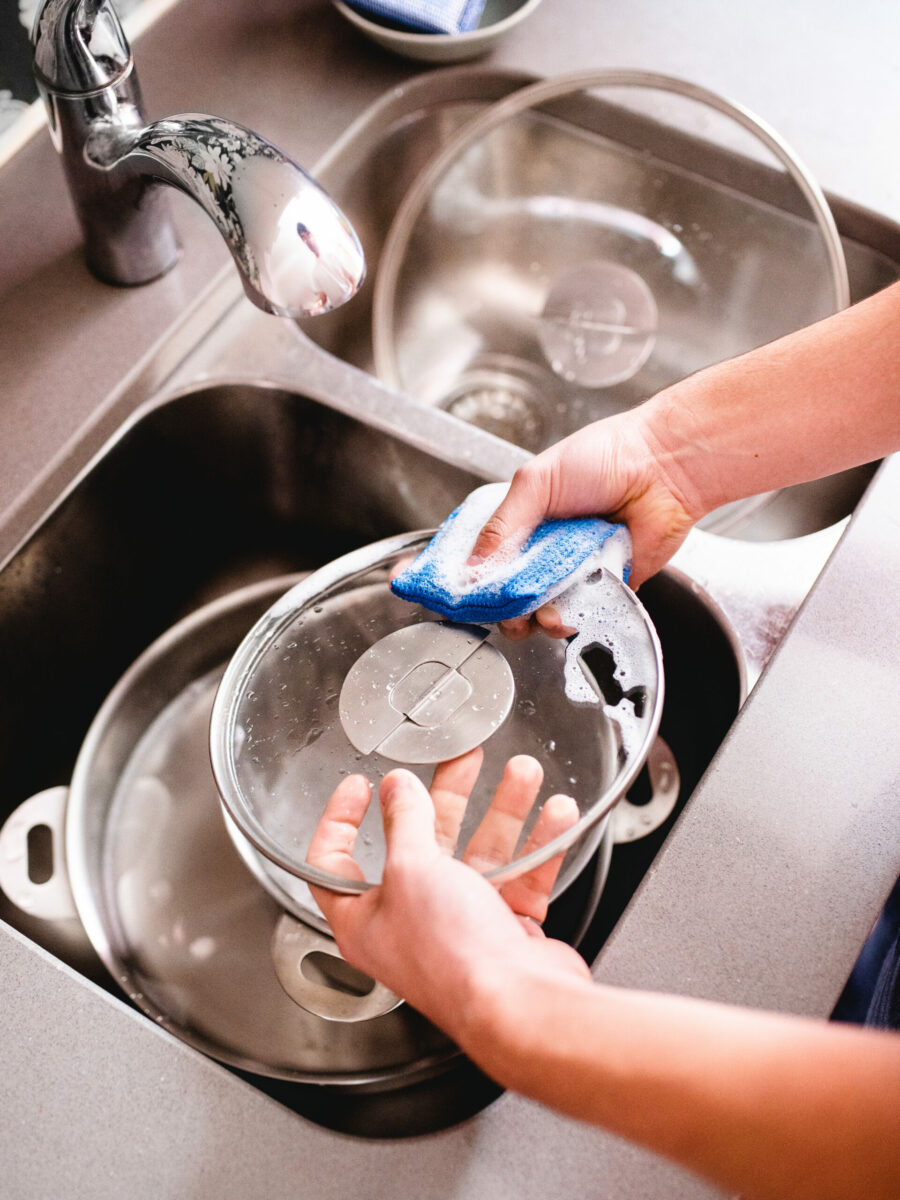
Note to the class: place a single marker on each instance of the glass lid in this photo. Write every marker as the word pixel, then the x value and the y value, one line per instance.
pixel 342 677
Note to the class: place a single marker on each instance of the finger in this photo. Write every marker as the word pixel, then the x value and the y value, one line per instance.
pixel 516 628
pixel 549 620
pixel 531 926
pixel 494 841
pixel 408 815
pixel 522 508
pixel 451 787
pixel 400 566
pixel 332 843
pixel 529 894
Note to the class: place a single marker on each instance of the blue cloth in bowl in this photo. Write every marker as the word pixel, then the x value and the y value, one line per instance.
pixel 506 585
pixel 425 16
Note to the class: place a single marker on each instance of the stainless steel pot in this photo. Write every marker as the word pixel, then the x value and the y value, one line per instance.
pixel 148 865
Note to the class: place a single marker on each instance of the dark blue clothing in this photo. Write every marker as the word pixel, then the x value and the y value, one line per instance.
pixel 872 993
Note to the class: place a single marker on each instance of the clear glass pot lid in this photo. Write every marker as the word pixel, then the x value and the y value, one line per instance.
pixel 281 739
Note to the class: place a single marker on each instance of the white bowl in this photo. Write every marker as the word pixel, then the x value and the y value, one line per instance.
pixel 498 18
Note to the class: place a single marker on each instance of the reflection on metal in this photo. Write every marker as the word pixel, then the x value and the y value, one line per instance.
pixel 315 976
pixel 519 200
pixel 632 821
pixel 49 898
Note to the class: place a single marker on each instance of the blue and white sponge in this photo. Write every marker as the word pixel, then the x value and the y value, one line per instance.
pixel 527 571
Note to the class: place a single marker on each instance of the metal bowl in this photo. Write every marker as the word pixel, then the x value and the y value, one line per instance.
pixel 161 889
pixel 497 19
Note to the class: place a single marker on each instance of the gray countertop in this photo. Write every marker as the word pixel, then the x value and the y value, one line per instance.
pixel 767 886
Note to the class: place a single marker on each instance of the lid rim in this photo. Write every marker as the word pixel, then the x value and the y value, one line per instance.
pixel 314 588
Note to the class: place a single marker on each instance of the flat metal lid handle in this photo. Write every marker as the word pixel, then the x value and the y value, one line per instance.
pixel 49 898
pixel 312 971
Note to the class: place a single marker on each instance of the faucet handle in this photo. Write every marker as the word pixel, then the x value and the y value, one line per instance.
pixel 79 46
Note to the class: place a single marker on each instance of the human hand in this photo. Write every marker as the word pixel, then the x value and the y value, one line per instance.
pixel 435 927
pixel 618 468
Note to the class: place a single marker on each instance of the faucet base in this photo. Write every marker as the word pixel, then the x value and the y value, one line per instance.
pixel 132 243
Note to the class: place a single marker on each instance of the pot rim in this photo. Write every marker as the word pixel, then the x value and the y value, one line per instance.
pixel 97 912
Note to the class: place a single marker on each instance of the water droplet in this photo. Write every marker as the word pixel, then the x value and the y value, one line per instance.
pixel 202 948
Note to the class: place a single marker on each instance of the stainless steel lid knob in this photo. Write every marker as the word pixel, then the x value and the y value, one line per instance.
pixel 426 693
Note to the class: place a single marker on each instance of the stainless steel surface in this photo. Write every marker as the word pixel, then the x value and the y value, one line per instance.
pixel 79 48
pixel 632 821
pixel 506 220
pixel 224 454
pixel 288 892
pixel 598 323
pixel 35 878
pixel 718 915
pixel 181 925
pixel 426 693
pixel 295 252
pixel 277 742
pixel 233 510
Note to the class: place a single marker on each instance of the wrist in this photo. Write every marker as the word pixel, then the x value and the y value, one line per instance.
pixel 509 1008
pixel 681 445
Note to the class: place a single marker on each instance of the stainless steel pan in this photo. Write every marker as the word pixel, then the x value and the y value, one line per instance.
pixel 161 886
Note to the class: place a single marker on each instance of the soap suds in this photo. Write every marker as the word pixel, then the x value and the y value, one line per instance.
pixel 599 610
pixel 602 616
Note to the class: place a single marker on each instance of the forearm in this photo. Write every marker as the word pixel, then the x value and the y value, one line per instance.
pixel 818 401
pixel 763 1105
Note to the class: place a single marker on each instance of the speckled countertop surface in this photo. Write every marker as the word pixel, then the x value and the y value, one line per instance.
pixel 767 886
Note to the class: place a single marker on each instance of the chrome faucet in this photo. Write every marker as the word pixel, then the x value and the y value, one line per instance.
pixel 296 252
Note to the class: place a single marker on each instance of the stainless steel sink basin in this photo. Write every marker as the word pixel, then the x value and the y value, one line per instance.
pixel 748 263
pixel 227 483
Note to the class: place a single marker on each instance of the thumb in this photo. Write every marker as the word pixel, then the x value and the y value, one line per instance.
pixel 407 811
pixel 523 508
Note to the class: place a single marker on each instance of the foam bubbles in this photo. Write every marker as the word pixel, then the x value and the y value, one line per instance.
pixel 596 608
pixel 533 568
pixel 602 615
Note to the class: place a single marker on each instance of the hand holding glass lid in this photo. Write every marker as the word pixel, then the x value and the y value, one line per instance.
pixel 429 884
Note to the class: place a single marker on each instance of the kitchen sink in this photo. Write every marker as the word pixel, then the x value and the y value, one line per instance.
pixel 247 448
pixel 226 484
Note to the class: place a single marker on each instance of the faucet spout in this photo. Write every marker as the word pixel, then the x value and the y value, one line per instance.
pixel 295 250
pixel 296 253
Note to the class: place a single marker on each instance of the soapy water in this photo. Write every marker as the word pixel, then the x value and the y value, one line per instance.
pixel 603 619
pixel 587 600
